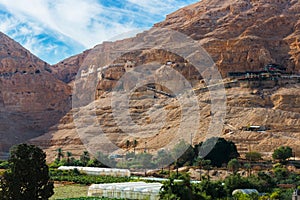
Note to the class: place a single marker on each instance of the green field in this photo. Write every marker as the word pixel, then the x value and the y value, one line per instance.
pixel 69 191
pixel 73 192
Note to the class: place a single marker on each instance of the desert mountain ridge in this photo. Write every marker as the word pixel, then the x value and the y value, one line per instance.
pixel 32 99
pixel 239 36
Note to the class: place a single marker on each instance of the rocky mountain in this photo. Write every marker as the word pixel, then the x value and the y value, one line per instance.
pixel 31 98
pixel 239 35
pixel 243 35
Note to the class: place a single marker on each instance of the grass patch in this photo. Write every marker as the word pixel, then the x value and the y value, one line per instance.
pixel 69 191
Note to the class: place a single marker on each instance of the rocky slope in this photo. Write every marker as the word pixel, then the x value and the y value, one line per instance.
pixel 238 35
pixel 31 99
pixel 243 34
pixel 244 107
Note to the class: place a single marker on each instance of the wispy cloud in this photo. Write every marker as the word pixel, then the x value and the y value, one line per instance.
pixel 160 7
pixel 72 25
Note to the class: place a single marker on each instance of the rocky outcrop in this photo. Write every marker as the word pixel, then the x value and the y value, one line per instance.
pixel 243 35
pixel 67 69
pixel 31 98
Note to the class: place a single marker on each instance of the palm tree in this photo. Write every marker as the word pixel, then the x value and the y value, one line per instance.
pixel 59 154
pixel 135 142
pixel 127 145
pixel 69 154
pixel 85 158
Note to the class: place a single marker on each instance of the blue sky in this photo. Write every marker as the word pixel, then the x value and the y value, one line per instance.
pixel 56 29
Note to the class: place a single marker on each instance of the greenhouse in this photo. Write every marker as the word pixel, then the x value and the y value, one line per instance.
pixel 99 171
pixel 129 190
pixel 244 191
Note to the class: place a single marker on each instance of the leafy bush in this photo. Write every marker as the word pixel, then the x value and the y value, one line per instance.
pixel 181 190
pixel 4 164
pixel 282 153
pixel 76 177
pixel 214 189
pixel 253 156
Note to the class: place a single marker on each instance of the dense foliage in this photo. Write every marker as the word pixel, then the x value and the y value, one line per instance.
pixel 211 190
pixel 253 156
pixel 282 153
pixel 222 151
pixel 76 177
pixel 27 176
pixel 172 190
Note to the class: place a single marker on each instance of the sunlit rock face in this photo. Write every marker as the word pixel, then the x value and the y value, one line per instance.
pixel 31 98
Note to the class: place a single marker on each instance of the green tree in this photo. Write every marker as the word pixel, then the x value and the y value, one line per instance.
pixel 214 189
pixel 135 143
pixel 222 151
pixel 60 154
pixel 233 165
pixel 103 160
pixel 27 176
pixel 253 156
pixel 164 158
pixel 236 182
pixel 85 158
pixel 183 189
pixel 241 196
pixel 183 153
pixel 127 145
pixel 145 160
pixel 203 164
pixel 247 166
pixel 69 154
pixel 282 153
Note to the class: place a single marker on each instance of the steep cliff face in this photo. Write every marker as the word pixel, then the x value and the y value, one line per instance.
pixel 67 69
pixel 243 34
pixel 239 35
pixel 31 99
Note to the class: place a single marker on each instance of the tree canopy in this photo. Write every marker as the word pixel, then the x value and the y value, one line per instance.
pixel 27 176
pixel 221 153
pixel 233 165
pixel 282 153
pixel 253 156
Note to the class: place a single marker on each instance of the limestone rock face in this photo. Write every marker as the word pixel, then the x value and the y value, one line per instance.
pixel 160 119
pixel 242 34
pixel 67 69
pixel 31 98
pixel 239 35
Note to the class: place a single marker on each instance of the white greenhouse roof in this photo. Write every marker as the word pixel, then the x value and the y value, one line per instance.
pixel 244 191
pixel 128 190
pixel 99 171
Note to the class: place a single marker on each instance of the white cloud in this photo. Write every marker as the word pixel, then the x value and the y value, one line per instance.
pixel 88 22
pixel 158 6
pixel 85 21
